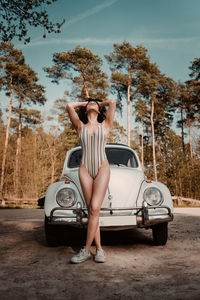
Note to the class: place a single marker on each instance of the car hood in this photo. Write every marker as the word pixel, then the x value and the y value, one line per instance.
pixel 123 186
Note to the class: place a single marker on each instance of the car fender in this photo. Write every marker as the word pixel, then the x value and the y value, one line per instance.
pixel 167 198
pixel 50 199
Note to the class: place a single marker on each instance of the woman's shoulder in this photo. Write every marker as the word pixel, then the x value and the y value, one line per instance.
pixel 106 127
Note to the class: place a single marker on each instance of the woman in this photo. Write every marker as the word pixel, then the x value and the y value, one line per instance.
pixel 94 170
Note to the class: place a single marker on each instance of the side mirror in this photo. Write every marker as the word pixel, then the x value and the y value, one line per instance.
pixel 149 167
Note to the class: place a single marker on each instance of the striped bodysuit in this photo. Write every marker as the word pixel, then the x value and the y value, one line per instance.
pixel 93 149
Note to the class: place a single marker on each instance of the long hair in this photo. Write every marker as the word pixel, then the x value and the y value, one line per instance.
pixel 82 112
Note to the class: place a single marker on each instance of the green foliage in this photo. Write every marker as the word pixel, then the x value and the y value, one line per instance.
pixel 195 68
pixel 82 67
pixel 141 110
pixel 59 110
pixel 17 16
pixel 30 118
pixel 115 133
pixel 125 63
pixel 10 60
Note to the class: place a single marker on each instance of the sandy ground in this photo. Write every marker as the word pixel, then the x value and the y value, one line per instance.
pixel 135 269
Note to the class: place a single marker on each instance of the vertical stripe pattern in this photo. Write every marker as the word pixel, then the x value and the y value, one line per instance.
pixel 93 149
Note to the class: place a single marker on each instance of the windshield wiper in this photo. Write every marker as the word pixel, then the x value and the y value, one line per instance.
pixel 120 165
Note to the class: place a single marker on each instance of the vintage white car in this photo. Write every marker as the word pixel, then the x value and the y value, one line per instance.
pixel 131 200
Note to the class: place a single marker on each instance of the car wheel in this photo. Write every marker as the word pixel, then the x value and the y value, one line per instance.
pixel 51 234
pixel 160 234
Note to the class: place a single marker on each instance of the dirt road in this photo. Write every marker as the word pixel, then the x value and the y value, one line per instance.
pixel 135 269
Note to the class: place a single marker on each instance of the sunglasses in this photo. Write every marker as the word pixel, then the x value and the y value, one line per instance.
pixel 93 100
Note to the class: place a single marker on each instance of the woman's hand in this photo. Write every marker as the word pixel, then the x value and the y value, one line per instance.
pixel 107 103
pixel 110 112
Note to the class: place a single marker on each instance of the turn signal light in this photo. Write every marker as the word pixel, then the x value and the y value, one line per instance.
pixel 67 181
pixel 148 180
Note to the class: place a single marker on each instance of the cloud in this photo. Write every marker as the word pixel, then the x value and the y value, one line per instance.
pixel 169 43
pixel 40 42
pixel 90 12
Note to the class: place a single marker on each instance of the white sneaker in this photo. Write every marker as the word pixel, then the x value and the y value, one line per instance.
pixel 100 256
pixel 81 256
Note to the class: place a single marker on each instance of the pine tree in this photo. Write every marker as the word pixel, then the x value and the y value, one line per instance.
pixel 27 119
pixel 125 62
pixel 141 114
pixel 18 16
pixel 27 91
pixel 188 103
pixel 193 99
pixel 115 133
pixel 181 91
pixel 69 135
pixel 10 60
pixel 118 88
pixel 155 87
pixel 59 111
pixel 82 67
pixel 23 85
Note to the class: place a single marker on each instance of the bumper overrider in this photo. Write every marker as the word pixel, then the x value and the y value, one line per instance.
pixel 143 216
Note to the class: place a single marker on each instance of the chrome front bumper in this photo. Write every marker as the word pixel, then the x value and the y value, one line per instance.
pixel 114 217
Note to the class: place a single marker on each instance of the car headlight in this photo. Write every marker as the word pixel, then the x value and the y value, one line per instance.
pixel 153 196
pixel 66 197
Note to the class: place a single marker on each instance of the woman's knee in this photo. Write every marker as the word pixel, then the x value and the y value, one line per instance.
pixel 94 210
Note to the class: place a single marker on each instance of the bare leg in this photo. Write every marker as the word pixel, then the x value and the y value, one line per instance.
pixel 100 186
pixel 87 187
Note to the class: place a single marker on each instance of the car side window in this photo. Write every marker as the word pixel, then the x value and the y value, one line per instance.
pixel 75 159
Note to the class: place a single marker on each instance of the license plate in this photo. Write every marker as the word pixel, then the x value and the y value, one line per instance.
pixel 117 220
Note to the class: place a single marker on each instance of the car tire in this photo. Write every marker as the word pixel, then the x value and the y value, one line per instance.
pixel 51 234
pixel 160 234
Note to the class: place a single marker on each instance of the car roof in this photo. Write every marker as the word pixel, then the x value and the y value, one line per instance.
pixel 108 144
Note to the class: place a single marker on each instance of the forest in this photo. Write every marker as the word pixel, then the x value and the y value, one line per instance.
pixel 151 109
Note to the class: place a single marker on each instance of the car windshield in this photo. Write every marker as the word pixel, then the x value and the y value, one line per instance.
pixel 116 156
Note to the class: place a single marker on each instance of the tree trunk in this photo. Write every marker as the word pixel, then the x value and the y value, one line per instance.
pixel 180 184
pixel 122 122
pixel 34 164
pixel 121 115
pixel 86 92
pixel 182 131
pixel 190 140
pixel 128 116
pixel 159 148
pixel 6 140
pixel 142 143
pixel 153 139
pixel 85 89
pixel 52 171
pixel 18 150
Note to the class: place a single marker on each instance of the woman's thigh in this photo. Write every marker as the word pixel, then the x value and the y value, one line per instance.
pixel 100 185
pixel 86 183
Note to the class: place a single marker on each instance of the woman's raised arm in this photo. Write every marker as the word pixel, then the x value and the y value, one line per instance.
pixel 110 112
pixel 73 114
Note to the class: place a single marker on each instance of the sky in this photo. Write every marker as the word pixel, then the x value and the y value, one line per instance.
pixel 170 30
